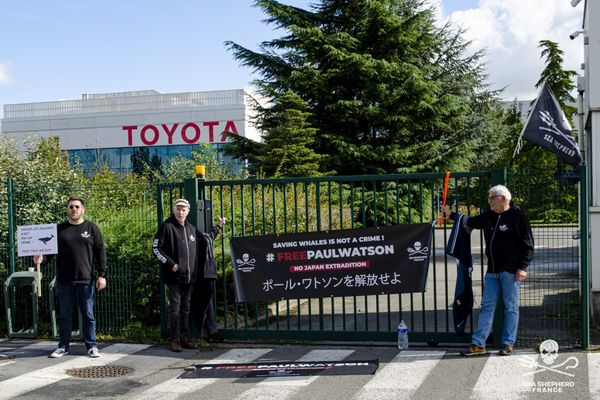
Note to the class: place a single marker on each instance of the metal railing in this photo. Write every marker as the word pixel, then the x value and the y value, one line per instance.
pixel 120 102
pixel 275 206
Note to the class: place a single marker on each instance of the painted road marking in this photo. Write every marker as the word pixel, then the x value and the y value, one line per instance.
pixel 402 376
pixel 33 380
pixel 594 375
pixel 506 378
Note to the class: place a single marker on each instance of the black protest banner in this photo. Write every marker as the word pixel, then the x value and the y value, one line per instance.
pixel 390 259
pixel 282 369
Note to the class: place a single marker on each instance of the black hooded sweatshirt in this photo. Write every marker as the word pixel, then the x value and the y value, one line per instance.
pixel 508 239
pixel 176 244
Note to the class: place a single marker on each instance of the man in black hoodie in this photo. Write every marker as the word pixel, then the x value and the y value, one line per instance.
pixel 174 247
pixel 80 244
pixel 509 250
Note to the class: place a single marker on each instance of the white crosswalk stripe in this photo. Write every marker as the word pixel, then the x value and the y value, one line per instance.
pixel 284 387
pixel 505 378
pixel 594 375
pixel 401 377
pixel 173 388
pixel 412 374
pixel 27 382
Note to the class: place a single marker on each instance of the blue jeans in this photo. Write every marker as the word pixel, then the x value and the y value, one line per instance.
pixel 507 285
pixel 80 295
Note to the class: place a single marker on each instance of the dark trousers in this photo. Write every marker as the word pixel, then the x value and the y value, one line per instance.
pixel 79 295
pixel 210 321
pixel 200 300
pixel 179 310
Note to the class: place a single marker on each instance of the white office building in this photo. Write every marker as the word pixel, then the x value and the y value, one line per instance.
pixel 110 127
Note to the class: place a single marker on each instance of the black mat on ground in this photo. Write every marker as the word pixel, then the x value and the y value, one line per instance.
pixel 282 368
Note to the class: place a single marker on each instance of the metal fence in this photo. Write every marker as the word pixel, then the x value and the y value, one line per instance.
pixel 552 302
pixel 549 299
pixel 126 216
pixel 275 206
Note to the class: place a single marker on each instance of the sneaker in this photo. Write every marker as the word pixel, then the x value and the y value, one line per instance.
pixel 507 350
pixel 473 350
pixel 188 345
pixel 176 346
pixel 93 352
pixel 58 353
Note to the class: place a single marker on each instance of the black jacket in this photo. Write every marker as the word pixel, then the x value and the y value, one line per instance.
pixel 508 239
pixel 459 247
pixel 79 246
pixel 207 267
pixel 176 244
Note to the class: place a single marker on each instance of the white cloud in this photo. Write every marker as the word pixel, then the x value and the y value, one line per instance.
pixel 4 74
pixel 510 31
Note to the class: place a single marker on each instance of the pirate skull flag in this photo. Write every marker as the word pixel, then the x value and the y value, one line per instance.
pixel 548 127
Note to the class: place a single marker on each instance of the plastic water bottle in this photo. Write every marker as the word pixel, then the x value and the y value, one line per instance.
pixel 402 336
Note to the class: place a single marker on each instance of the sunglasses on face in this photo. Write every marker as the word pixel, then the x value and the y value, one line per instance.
pixel 74 206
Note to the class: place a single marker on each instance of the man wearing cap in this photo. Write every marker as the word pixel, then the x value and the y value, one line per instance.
pixel 174 247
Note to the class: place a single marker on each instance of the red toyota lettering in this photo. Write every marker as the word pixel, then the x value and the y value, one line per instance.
pixel 211 132
pixel 143 135
pixel 196 136
pixel 229 127
pixel 169 132
pixel 129 130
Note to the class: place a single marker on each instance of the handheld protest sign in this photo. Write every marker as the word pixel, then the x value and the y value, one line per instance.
pixel 35 240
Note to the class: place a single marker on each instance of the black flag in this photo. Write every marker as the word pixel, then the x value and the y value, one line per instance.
pixel 548 127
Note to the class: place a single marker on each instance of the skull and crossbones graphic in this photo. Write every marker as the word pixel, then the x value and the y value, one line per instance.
pixel 549 354
pixel 418 249
pixel 245 260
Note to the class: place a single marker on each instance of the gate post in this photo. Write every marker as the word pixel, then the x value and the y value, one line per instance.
pixel 161 285
pixel 11 226
pixel 498 177
pixel 585 283
pixel 200 209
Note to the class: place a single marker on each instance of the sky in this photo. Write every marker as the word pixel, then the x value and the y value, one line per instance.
pixel 61 49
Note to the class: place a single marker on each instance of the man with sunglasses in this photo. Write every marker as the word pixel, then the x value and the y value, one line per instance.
pixel 80 244
pixel 509 250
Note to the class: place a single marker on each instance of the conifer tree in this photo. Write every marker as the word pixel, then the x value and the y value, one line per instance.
pixel 386 89
pixel 286 149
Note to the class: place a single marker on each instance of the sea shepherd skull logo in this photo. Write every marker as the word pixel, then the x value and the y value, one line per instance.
pixel 549 354
pixel 245 264
pixel 418 252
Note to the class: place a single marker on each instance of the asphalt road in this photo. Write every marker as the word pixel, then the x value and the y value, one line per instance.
pixel 26 372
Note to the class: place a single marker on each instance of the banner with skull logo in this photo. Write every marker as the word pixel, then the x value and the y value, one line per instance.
pixel 351 262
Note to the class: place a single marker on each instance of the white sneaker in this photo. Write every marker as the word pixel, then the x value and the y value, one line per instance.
pixel 93 352
pixel 58 353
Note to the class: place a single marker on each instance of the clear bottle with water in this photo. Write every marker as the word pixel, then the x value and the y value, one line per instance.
pixel 402 336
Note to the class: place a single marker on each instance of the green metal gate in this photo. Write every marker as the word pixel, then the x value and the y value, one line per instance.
pixel 276 206
pixel 554 300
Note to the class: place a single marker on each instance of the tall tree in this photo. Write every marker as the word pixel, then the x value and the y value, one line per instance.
pixel 386 89
pixel 286 150
pixel 560 80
